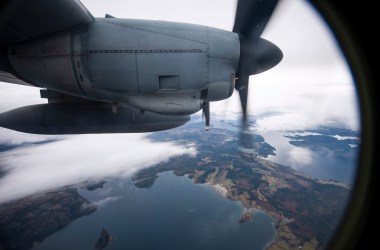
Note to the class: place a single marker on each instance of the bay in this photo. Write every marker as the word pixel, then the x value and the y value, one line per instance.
pixel 312 163
pixel 174 213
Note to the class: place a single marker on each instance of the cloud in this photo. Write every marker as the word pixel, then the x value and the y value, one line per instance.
pixel 299 157
pixel 310 106
pixel 11 137
pixel 303 35
pixel 69 159
pixel 14 96
pixel 222 12
pixel 296 100
pixel 105 201
pixel 81 158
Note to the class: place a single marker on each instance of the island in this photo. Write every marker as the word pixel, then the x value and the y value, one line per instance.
pixel 342 143
pixel 104 240
pixel 26 222
pixel 247 216
pixel 306 210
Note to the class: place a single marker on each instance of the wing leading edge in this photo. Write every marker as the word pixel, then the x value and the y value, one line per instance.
pixel 21 20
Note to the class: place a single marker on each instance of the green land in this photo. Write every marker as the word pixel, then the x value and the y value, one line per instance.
pixel 306 210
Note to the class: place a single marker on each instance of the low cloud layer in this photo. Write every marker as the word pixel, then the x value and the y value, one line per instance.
pixel 296 100
pixel 299 157
pixel 106 201
pixel 13 96
pixel 39 168
pixel 14 138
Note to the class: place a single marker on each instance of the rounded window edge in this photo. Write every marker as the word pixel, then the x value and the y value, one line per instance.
pixel 351 230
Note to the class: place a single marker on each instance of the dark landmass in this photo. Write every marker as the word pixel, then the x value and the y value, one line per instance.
pixel 104 240
pixel 146 182
pixel 92 187
pixel 265 149
pixel 224 136
pixel 247 216
pixel 7 147
pixel 26 222
pixel 256 144
pixel 307 210
pixel 325 143
pixel 334 131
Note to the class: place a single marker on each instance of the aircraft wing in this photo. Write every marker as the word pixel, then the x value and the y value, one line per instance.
pixel 7 74
pixel 22 20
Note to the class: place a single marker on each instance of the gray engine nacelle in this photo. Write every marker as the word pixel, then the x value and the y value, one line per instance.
pixel 117 60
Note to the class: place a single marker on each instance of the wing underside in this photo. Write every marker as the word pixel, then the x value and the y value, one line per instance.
pixel 24 20
pixel 7 74
pixel 21 20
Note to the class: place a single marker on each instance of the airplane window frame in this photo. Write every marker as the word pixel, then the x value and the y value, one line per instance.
pixel 354 231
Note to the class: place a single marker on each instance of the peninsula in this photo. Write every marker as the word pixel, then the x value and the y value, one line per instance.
pixel 306 210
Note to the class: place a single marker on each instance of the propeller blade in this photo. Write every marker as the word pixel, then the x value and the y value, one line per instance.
pixel 241 85
pixel 252 16
pixel 256 54
pixel 206 113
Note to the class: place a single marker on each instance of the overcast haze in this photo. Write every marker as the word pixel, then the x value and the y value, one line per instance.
pixel 311 87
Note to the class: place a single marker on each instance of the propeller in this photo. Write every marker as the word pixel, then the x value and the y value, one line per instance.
pixel 206 113
pixel 256 54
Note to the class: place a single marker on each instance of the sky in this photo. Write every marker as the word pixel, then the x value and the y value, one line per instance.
pixel 311 87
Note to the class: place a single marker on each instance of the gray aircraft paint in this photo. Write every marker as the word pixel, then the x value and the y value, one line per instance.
pixel 152 65
pixel 166 69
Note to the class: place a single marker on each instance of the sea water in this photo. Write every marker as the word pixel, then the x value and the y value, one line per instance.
pixel 175 213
